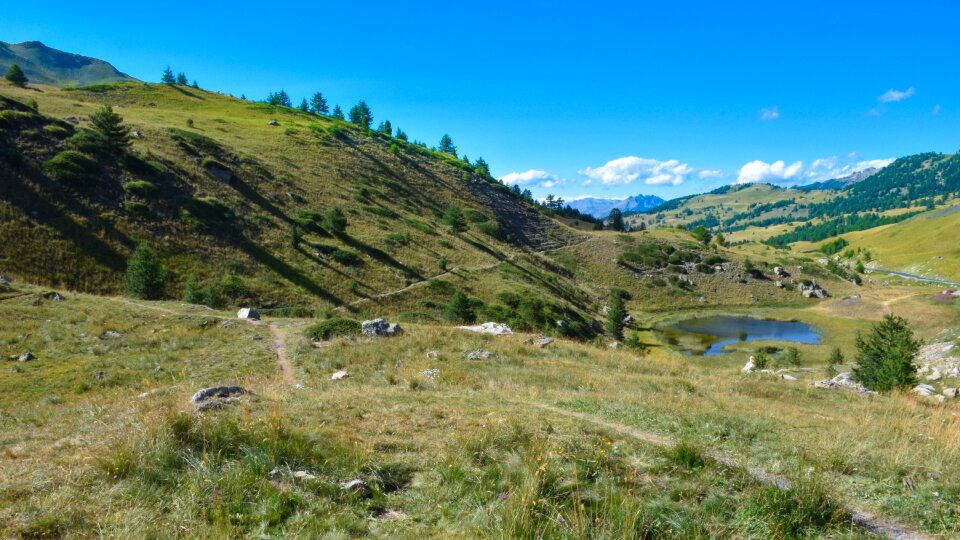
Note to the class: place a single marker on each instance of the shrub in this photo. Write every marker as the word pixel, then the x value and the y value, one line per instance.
pixel 145 275
pixel 885 356
pixel 393 240
pixel 836 357
pixel 475 216
pixel 455 220
pixel 141 188
pixel 56 131
pixel 687 456
pixel 442 264
pixel 345 257
pixel 336 131
pixel 192 292
pixel 615 315
pixel 381 211
pixel 71 167
pixel 207 214
pixel 802 511
pixel 233 286
pixel 760 359
pixel 332 328
pixel 792 357
pixel 334 221
pixel 137 209
pixel 493 231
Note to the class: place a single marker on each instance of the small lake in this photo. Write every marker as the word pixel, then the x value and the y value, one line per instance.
pixel 709 335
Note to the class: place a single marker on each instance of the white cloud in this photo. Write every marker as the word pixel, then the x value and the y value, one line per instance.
pixel 821 169
pixel 770 113
pixel 776 172
pixel 894 96
pixel 707 173
pixel 533 177
pixel 935 109
pixel 629 169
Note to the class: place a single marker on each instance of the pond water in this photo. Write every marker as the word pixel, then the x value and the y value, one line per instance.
pixel 711 334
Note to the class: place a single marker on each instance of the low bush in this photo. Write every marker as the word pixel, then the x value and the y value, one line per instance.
pixel 141 188
pixel 137 209
pixel 207 214
pixel 346 257
pixel 71 167
pixel 475 216
pixel 332 328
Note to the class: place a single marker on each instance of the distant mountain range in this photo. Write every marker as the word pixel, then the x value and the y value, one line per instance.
pixel 840 183
pixel 600 208
pixel 45 65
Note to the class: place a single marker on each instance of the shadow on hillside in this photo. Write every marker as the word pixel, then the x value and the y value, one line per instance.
pixel 254 196
pixel 289 273
pixel 185 92
pixel 380 256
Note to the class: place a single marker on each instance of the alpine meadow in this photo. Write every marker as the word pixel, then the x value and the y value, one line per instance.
pixel 256 304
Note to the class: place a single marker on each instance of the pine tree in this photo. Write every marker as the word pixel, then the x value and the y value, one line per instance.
pixel 447 146
pixel 334 221
pixel 361 115
pixel 168 77
pixel 181 79
pixel 145 275
pixel 337 113
pixel 459 310
pixel 318 104
pixel 386 128
pixel 482 168
pixel 401 135
pixel 279 98
pixel 16 76
pixel 885 356
pixel 455 220
pixel 615 315
pixel 616 220
pixel 109 125
pixel 836 357
pixel 195 85
pixel 304 106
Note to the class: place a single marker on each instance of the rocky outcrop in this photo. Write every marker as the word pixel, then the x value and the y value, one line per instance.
pixel 492 328
pixel 248 313
pixel 380 328
pixel 843 381
pixel 217 396
pixel 813 290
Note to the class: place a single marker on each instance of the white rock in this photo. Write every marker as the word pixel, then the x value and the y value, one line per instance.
pixel 749 366
pixel 342 374
pixel 493 328
pixel 786 377
pixel 924 389
pixel 950 392
pixel 934 375
pixel 304 475
pixel 248 313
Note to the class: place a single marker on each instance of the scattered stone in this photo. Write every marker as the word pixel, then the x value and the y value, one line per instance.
pixel 950 392
pixel 273 123
pixel 779 284
pixel 934 375
pixel 431 354
pixel 780 272
pixel 614 345
pixel 844 381
pixel 478 354
pixel 432 374
pixel 219 172
pixel 217 396
pixel 380 328
pixel 390 513
pixel 100 375
pixel 562 323
pixel 136 134
pixel 924 390
pixel 628 320
pixel 53 296
pixel 26 357
pixel 342 374
pixel 303 475
pixel 5 279
pixel 112 334
pixel 151 104
pixel 543 342
pixel 358 487
pixel 749 366
pixel 493 328
pixel 248 313
pixel 787 377
pixel 813 290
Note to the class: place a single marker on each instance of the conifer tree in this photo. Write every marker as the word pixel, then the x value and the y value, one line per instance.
pixel 168 77
pixel 615 315
pixel 304 106
pixel 446 145
pixel 885 355
pixel 181 79
pixel 455 220
pixel 401 135
pixel 616 220
pixel 459 310
pixel 16 76
pixel 337 113
pixel 361 115
pixel 482 167
pixel 318 104
pixel 145 275
pixel 386 128
pixel 109 125
pixel 335 221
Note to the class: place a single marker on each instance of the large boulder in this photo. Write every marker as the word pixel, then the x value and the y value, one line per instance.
pixel 380 328
pixel 493 328
pixel 217 396
pixel 248 313
pixel 749 366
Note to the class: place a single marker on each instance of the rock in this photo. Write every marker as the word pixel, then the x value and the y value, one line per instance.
pixel 26 357
pixel 136 134
pixel 779 284
pixel 562 324
pixel 390 513
pixel 478 354
pixel 628 320
pixel 432 374
pixel 151 104
pixel 357 486
pixel 217 396
pixel 433 354
pixel 53 296
pixel 342 374
pixel 303 475
pixel 5 279
pixel 950 392
pixel 924 389
pixel 934 375
pixel 844 381
pixel 112 334
pixel 273 123
pixel 493 328
pixel 100 375
pixel 614 345
pixel 543 342
pixel 749 366
pixel 787 377
pixel 219 172
pixel 380 328
pixel 248 313
pixel 953 372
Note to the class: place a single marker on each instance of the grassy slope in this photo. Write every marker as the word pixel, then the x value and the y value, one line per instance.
pixel 470 454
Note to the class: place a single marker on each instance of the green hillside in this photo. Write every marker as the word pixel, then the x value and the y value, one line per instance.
pixel 46 65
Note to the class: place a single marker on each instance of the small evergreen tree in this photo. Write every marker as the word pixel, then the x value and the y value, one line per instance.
pixel 337 113
pixel 836 357
pixel 446 145
pixel 361 115
pixel 195 85
pixel 109 125
pixel 616 220
pixel 885 355
pixel 459 310
pixel 181 79
pixel 145 275
pixel 279 98
pixel 304 106
pixel 482 168
pixel 386 128
pixel 615 315
pixel 318 104
pixel 334 221
pixel 792 357
pixel 701 234
pixel 192 292
pixel 401 135
pixel 16 76
pixel 168 77
pixel 455 220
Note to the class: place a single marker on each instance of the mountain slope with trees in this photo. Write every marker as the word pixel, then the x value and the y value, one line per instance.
pixel 46 65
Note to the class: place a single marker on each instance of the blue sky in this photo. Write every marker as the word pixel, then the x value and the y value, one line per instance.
pixel 603 98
